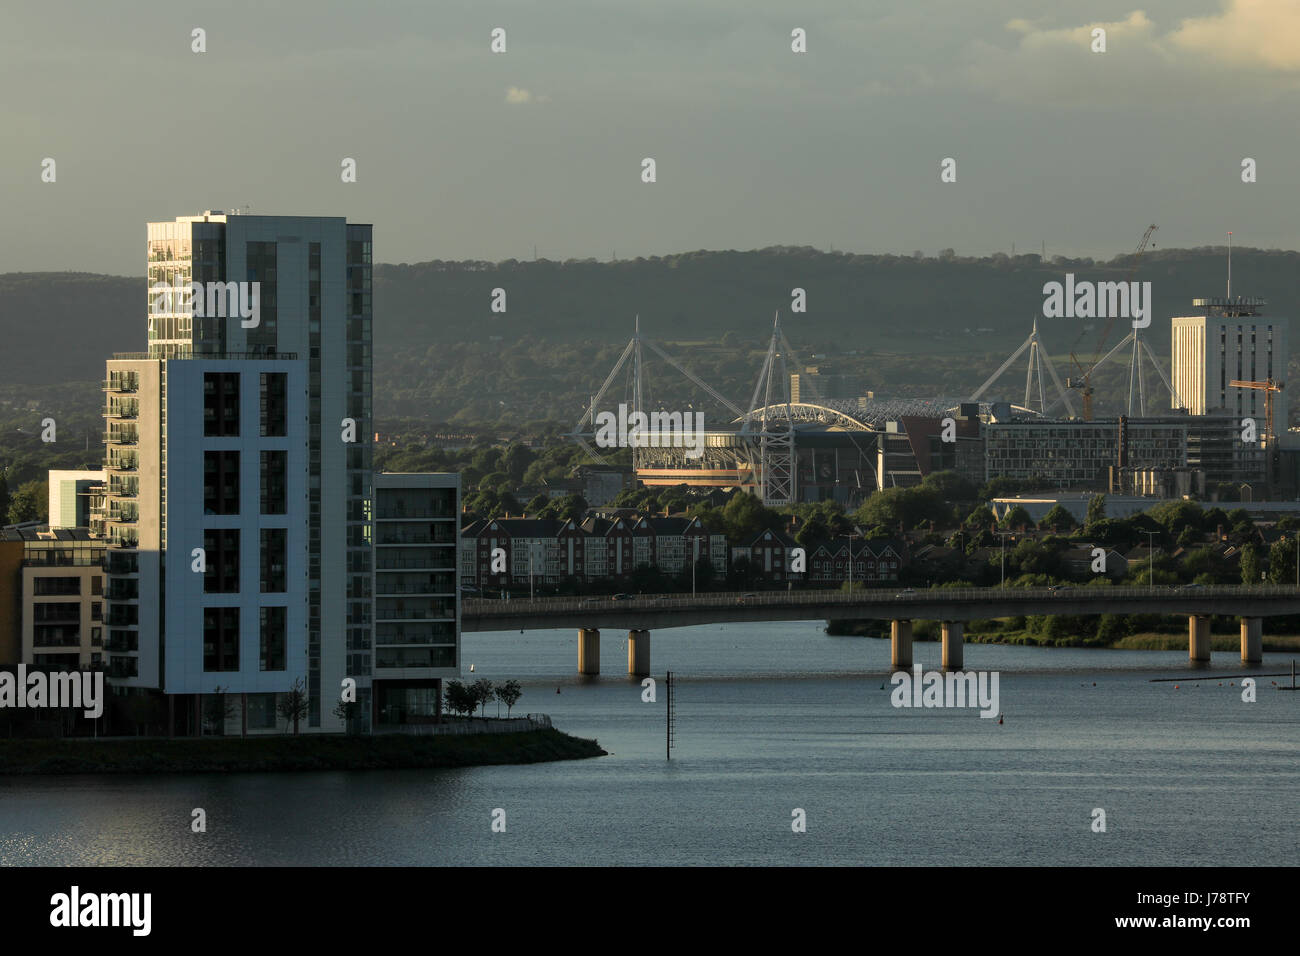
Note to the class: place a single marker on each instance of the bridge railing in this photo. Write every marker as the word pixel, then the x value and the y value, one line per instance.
pixel 1161 594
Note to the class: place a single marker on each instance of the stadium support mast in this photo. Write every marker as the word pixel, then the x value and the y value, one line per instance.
pixel 1039 359
pixel 775 420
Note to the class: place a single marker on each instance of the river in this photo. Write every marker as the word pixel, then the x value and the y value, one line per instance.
pixel 771 718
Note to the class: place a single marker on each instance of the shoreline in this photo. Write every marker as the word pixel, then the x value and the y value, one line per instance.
pixel 281 753
pixel 1142 641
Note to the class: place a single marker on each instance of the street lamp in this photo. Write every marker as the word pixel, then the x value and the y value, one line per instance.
pixel 850 538
pixel 1004 556
pixel 693 563
pixel 1151 559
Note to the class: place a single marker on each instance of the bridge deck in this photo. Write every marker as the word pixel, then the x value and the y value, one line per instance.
pixel 943 604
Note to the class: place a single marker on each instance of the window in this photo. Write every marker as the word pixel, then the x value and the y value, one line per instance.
pixel 221 404
pixel 221 560
pixel 221 639
pixel 271 656
pixel 274 467
pixel 274 549
pixel 221 482
pixel 275 412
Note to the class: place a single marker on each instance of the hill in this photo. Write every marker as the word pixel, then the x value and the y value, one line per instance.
pixel 442 354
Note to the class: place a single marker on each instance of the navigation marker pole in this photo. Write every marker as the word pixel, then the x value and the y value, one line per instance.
pixel 669 733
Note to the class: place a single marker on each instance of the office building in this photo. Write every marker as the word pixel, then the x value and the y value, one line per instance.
pixel 74 497
pixel 1228 340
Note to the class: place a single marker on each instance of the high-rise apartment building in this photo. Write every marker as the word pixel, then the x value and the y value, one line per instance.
pixel 1229 340
pixel 239 468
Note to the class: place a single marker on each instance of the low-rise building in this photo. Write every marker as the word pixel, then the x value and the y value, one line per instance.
pixel 61 588
pixel 416 600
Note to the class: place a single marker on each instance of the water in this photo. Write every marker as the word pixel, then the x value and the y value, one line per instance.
pixel 771 717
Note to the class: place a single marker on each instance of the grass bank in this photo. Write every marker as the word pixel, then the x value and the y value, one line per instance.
pixel 288 753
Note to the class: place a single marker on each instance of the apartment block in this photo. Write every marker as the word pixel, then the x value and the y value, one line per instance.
pixel 549 551
pixel 61 599
pixel 239 468
pixel 416 597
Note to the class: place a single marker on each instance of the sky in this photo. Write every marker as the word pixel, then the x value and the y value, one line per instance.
pixel 463 153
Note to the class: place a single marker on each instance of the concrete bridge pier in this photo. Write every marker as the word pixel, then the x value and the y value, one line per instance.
pixel 1252 640
pixel 1198 637
pixel 638 653
pixel 588 651
pixel 900 644
pixel 953 641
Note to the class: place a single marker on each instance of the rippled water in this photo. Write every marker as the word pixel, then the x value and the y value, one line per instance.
pixel 771 717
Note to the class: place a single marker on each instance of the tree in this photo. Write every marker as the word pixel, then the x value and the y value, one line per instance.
pixel 292 705
pixel 482 691
pixel 950 485
pixel 573 507
pixel 1096 511
pixel 509 694
pixel 459 698
pixel 745 516
pixel 1017 517
pixel 217 709
pixel 1058 519
pixel 516 460
pixel 1250 564
pixel 1241 521
pixel 4 497
pixel 30 502
pixel 907 505
pixel 348 711
pixel 1281 561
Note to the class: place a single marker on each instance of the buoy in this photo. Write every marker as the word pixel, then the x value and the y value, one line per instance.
pixel 1175 687
pixel 557 690
pixel 999 719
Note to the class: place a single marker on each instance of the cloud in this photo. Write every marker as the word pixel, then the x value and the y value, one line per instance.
pixel 1056 64
pixel 518 96
pixel 1254 34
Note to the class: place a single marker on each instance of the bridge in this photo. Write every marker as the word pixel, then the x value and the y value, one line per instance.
pixel 950 606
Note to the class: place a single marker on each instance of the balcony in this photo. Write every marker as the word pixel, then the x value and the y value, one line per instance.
pixel 399 514
pixel 120 667
pixel 242 356
pixel 423 614
pixel 416 538
pixel 395 658
pixel 434 590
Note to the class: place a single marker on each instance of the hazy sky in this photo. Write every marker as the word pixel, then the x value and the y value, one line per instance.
pixel 463 153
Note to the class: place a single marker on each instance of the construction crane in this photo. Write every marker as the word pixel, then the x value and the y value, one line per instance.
pixel 1084 381
pixel 1268 387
